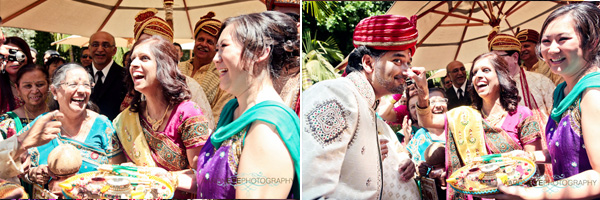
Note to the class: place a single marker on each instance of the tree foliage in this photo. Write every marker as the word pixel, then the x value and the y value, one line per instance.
pixel 341 22
pixel 41 41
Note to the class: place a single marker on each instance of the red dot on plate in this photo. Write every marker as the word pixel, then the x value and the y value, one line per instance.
pixel 470 188
pixel 163 187
pixel 526 173
pixel 525 164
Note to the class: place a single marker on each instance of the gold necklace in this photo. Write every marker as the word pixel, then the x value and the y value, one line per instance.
pixel 155 124
pixel 27 113
pixel 495 118
pixel 13 84
pixel 78 136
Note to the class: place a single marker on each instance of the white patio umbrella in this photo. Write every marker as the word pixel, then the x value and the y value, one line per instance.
pixel 81 41
pixel 457 30
pixel 85 17
pixel 120 42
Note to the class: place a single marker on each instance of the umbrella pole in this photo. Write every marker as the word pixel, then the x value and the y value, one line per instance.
pixel 71 52
pixel 169 13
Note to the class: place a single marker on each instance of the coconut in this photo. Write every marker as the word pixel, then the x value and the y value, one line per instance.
pixel 64 160
pixel 435 154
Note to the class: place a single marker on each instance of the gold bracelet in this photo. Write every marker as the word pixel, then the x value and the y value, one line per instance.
pixel 423 111
pixel 532 155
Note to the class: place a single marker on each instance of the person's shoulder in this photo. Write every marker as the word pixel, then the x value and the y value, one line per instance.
pixel 450 91
pixel 192 83
pixel 592 94
pixel 115 65
pixel 524 110
pixel 98 117
pixel 5 116
pixel 537 77
pixel 331 84
pixel 188 108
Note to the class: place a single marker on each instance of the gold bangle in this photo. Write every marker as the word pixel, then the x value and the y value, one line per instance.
pixel 423 111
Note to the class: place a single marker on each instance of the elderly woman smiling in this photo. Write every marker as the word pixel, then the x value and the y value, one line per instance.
pixel 92 133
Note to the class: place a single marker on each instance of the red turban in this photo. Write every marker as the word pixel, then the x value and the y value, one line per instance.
pixel 387 32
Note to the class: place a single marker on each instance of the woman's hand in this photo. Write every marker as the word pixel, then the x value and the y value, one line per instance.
pixel 521 154
pixel 423 167
pixel 41 132
pixel 406 169
pixel 439 174
pixel 407 129
pixel 417 74
pixel 384 148
pixel 515 192
pixel 39 175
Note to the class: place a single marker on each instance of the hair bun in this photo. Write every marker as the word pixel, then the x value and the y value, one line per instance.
pixel 288 46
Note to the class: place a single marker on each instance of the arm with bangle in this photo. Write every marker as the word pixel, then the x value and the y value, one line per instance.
pixel 426 118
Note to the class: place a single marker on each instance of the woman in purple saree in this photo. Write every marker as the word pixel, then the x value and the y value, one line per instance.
pixel 255 151
pixel 570 45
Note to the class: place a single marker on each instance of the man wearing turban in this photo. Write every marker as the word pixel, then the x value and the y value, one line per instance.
pixel 341 156
pixel 529 38
pixel 535 89
pixel 200 66
pixel 148 24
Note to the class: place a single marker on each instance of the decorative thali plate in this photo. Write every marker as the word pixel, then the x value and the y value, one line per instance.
pixel 480 176
pixel 101 184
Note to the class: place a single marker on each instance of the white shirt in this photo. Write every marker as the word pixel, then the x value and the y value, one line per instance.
pixel 463 87
pixel 104 71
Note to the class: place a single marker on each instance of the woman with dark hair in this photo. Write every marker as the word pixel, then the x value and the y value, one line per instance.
pixel 53 63
pixel 427 136
pixel 10 99
pixel 92 133
pixel 32 87
pixel 161 128
pixel 257 133
pixel 493 124
pixel 570 44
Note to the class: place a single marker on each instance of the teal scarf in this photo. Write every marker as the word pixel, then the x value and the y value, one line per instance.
pixel 278 114
pixel 561 103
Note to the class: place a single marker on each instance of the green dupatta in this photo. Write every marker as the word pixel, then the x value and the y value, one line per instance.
pixel 562 102
pixel 284 118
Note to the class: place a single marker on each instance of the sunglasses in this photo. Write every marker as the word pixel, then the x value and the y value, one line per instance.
pixel 86 56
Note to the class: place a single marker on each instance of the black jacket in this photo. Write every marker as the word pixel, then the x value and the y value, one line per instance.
pixel 453 100
pixel 110 95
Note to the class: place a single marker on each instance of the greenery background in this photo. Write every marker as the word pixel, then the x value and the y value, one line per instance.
pixel 327 29
pixel 41 41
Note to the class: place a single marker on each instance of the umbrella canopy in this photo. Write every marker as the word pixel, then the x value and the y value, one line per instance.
pixel 83 41
pixel 120 42
pixel 457 30
pixel 85 17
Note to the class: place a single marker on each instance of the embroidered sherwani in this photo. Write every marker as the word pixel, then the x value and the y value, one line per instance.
pixel 208 78
pixel 543 68
pixel 393 186
pixel 539 90
pixel 340 146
